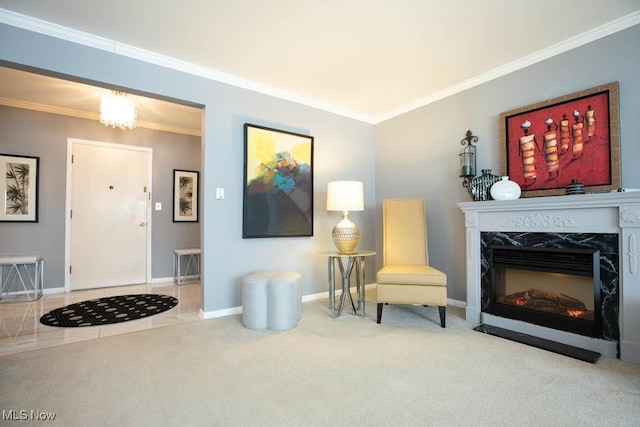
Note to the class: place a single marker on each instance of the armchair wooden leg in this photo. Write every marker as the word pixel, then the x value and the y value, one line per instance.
pixel 380 307
pixel 443 312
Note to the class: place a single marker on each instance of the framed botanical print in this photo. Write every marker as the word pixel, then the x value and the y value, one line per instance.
pixel 185 196
pixel 20 185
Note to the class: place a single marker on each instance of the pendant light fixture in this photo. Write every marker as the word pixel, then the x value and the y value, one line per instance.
pixel 117 110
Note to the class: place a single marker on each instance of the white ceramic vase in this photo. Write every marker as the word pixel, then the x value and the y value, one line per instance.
pixel 505 189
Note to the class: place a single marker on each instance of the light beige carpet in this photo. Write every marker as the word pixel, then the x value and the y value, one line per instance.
pixel 344 371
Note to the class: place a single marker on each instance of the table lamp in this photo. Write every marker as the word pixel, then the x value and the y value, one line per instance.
pixel 345 196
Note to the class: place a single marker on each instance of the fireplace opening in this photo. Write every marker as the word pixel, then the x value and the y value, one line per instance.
pixel 551 287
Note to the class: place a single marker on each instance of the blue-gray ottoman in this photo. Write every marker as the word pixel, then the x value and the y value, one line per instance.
pixel 271 299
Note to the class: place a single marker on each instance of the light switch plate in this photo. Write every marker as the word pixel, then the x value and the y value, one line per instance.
pixel 158 206
pixel 219 193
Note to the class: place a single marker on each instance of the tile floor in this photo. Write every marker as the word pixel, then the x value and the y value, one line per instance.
pixel 21 330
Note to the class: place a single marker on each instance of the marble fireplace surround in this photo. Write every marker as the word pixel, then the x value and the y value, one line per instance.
pixel 617 213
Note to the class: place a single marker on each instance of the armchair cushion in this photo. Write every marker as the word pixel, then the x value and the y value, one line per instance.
pixel 412 294
pixel 404 274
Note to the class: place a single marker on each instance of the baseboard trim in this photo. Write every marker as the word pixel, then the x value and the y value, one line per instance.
pixel 219 313
pixel 161 280
pixel 62 289
pixel 456 303
pixel 306 298
pixel 238 310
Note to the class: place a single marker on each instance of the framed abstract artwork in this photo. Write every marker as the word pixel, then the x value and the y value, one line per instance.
pixel 574 138
pixel 185 196
pixel 20 185
pixel 278 183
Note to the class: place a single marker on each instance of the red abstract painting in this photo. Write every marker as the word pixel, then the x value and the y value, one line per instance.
pixel 552 144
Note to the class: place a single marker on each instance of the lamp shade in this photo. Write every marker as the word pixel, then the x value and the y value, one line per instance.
pixel 345 196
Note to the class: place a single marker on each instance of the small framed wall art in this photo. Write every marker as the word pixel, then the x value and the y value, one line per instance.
pixel 278 183
pixel 20 185
pixel 185 195
pixel 550 144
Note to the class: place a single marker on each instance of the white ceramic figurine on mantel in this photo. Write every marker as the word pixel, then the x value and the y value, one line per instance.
pixel 505 189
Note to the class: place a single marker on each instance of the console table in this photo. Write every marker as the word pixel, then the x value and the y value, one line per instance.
pixel 180 276
pixel 346 263
pixel 30 286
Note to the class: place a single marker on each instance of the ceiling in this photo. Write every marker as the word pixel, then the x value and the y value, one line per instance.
pixel 49 94
pixel 367 59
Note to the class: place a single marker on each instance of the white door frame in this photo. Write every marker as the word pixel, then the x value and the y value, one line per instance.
pixel 67 220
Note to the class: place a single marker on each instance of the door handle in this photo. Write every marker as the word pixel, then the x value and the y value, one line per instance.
pixel 142 224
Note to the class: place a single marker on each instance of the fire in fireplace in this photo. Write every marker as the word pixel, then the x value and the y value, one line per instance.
pixel 549 302
pixel 557 288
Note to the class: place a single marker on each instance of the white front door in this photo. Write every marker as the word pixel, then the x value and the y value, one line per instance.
pixel 108 218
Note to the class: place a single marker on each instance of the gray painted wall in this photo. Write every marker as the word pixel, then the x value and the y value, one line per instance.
pixel 417 153
pixel 45 135
pixel 344 149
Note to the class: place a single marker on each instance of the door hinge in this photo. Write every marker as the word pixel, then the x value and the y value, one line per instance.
pixel 71 213
pixel 69 269
pixel 145 189
pixel 72 158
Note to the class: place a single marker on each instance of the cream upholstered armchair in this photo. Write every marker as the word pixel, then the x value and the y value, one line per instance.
pixel 406 277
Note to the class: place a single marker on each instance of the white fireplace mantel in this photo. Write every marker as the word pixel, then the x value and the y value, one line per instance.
pixel 590 213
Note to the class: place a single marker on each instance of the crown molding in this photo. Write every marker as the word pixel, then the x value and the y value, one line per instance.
pixel 58 31
pixel 607 29
pixel 33 106
pixel 54 30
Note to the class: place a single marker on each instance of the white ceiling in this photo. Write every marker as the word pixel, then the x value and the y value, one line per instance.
pixel 368 59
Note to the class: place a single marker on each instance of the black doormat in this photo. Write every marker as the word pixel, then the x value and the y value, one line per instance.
pixel 553 346
pixel 103 311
